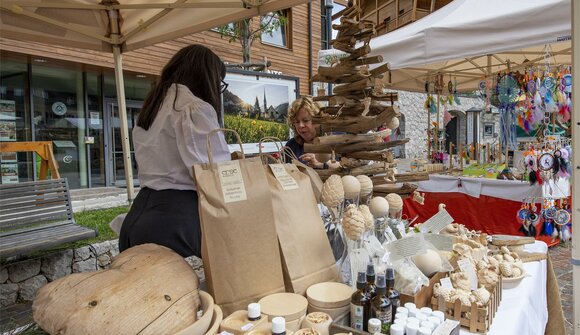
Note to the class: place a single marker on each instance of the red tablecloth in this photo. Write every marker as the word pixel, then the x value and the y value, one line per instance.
pixel 469 203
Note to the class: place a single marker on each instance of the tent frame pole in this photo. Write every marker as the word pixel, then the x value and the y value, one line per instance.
pixel 120 84
pixel 575 122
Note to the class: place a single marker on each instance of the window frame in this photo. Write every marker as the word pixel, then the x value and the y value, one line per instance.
pixel 288 28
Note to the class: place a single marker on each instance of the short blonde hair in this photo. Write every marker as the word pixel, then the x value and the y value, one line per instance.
pixel 305 102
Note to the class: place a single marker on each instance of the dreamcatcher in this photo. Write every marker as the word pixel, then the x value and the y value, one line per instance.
pixel 508 92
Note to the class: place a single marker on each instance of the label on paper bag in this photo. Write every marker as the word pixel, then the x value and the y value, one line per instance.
pixel 285 180
pixel 466 266
pixel 232 181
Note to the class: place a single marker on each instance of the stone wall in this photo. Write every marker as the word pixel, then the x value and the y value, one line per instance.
pixel 20 280
pixel 412 106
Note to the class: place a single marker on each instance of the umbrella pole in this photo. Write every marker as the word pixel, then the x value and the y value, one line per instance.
pixel 124 125
pixel 574 161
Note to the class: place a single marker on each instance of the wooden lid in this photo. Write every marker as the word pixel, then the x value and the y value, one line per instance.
pixel 329 295
pixel 291 306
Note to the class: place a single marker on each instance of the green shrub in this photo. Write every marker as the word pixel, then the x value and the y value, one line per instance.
pixel 251 130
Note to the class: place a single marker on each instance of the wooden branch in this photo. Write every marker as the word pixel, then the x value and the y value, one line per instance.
pixel 355 124
pixel 349 163
pixel 380 70
pixel 352 12
pixel 381 190
pixel 371 169
pixel 340 78
pixel 348 26
pixel 343 47
pixel 355 147
pixel 356 86
pixel 356 109
pixel 351 138
pixel 385 155
pixel 404 177
pixel 390 96
pixel 337 71
pixel 349 40
pixel 363 61
pixel 365 49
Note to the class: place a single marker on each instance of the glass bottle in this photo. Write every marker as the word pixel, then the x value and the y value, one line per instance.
pixel 392 293
pixel 371 287
pixel 360 304
pixel 381 307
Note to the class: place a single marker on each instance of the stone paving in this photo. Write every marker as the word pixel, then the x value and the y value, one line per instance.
pixel 561 256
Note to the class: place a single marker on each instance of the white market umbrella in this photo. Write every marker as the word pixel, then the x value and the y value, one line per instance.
pixel 121 26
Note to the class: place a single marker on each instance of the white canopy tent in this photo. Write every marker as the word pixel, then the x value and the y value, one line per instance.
pixel 469 39
pixel 118 26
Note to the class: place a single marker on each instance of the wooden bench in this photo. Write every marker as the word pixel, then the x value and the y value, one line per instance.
pixel 37 215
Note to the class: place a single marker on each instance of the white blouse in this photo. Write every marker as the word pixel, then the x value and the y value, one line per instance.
pixel 176 140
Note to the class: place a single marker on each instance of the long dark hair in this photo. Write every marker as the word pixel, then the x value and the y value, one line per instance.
pixel 194 66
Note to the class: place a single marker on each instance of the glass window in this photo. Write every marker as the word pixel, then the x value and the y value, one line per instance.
pixel 96 142
pixel 14 119
pixel 59 116
pixel 275 28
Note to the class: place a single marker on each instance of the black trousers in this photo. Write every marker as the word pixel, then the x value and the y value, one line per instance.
pixel 167 217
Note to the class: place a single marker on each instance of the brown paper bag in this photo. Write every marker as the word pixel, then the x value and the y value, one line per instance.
pixel 239 246
pixel 314 177
pixel 306 255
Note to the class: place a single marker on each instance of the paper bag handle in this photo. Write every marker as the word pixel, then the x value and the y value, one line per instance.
pixel 276 141
pixel 288 152
pixel 208 143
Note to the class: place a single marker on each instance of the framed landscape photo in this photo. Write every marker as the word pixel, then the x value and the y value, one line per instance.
pixel 255 104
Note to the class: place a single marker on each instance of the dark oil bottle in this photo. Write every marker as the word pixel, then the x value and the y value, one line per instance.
pixel 360 304
pixel 392 294
pixel 371 287
pixel 381 305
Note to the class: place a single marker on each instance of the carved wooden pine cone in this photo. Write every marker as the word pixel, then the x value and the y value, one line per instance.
pixel 366 185
pixel 353 223
pixel 506 269
pixel 369 219
pixel 488 278
pixel 481 295
pixel 332 191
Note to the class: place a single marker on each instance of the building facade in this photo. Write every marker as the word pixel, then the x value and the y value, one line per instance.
pixel 68 96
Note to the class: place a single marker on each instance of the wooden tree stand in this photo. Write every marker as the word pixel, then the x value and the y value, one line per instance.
pixel 477 319
pixel 43 149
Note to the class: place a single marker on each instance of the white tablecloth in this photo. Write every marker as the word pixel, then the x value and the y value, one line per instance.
pixel 523 309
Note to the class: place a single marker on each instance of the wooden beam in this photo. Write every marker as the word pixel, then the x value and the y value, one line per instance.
pixel 356 147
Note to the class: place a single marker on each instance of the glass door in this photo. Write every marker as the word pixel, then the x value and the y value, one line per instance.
pixel 115 155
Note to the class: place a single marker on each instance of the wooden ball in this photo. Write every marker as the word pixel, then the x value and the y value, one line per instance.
pixel 379 206
pixel 351 187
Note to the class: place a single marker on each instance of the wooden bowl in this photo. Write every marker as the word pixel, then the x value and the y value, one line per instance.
pixel 335 313
pixel 329 295
pixel 201 326
pixel 291 306
pixel 216 319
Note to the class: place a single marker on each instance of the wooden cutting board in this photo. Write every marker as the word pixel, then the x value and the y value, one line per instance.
pixel 507 240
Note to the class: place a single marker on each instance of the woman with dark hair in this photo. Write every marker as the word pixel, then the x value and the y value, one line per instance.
pixel 170 136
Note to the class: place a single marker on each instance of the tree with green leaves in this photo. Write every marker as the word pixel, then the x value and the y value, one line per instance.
pixel 246 32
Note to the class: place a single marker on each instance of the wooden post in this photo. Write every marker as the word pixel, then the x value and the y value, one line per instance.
pixel 450 157
pixel 436 135
pixel 428 134
pixel 460 152
pixel 506 155
pixel 487 157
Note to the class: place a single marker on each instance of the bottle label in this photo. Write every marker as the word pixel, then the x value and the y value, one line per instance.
pixel 247 327
pixel 386 317
pixel 356 317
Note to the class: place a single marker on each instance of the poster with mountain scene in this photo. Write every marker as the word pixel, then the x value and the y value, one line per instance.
pixel 257 108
